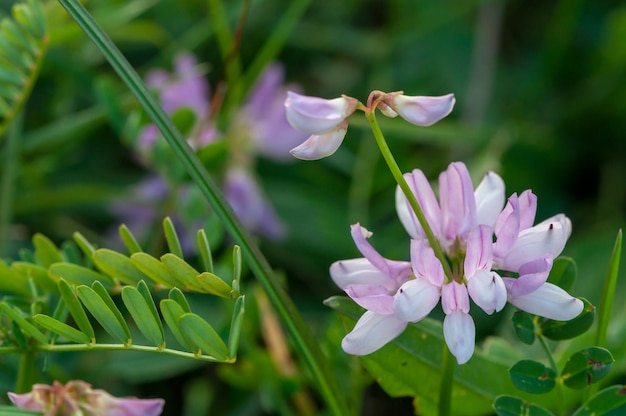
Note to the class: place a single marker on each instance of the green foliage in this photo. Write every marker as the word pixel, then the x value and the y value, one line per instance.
pixel 587 367
pixel 23 42
pixel 604 402
pixel 85 292
pixel 532 377
pixel 513 406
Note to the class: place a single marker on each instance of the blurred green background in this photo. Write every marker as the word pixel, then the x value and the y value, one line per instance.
pixel 541 99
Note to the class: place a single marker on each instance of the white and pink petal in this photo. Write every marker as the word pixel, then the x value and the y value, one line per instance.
pixel 371 332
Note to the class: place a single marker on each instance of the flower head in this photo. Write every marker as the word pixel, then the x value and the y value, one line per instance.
pixel 77 397
pixel 464 221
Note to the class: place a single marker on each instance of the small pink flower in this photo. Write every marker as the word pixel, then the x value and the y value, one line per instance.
pixel 418 110
pixel 325 120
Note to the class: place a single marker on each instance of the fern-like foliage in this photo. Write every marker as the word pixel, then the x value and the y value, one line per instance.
pixel 23 42
pixel 51 284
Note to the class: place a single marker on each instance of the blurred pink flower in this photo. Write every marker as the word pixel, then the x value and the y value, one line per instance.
pixel 78 398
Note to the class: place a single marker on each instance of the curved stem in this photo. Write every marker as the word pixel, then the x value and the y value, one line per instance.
pixel 447 377
pixel 306 345
pixel 26 373
pixel 397 175
pixel 559 382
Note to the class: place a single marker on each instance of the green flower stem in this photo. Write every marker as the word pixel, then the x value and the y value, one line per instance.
pixel 397 174
pixel 9 174
pixel 560 398
pixel 295 325
pixel 27 372
pixel 447 378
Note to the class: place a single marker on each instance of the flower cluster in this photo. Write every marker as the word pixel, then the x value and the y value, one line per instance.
pixel 78 398
pixel 482 239
pixel 327 120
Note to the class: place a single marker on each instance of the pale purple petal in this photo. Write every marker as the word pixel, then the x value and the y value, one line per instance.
pixel 371 297
pixel 532 275
pixel 528 209
pixel 488 291
pixel 136 407
pixel 371 332
pixel 415 300
pixel 419 110
pixel 489 197
pixel 428 202
pixel 24 401
pixel 346 273
pixel 320 146
pixel 315 115
pixel 458 206
pixel 507 227
pixel 478 255
pixel 425 264
pixel 454 297
pixel 459 332
pixel 549 301
pixel 547 237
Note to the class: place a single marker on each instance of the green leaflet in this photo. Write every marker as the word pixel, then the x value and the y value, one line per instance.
pixel 532 377
pixel 410 366
pixel 605 401
pixel 118 266
pixel 79 275
pixel 172 312
pixel 587 367
pixel 235 327
pixel 513 406
pixel 141 307
pixel 182 271
pixel 155 270
pixel 46 251
pixel 76 309
pixel 129 240
pixel 106 316
pixel 172 238
pixel 62 329
pixel 16 316
pixel 202 334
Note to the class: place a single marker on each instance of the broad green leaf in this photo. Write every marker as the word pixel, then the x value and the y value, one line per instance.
pixel 104 295
pixel 16 316
pixel 205 251
pixel 524 326
pixel 608 291
pixel 46 251
pixel 563 273
pixel 129 240
pixel 235 327
pixel 61 329
pixel 105 316
pixel 181 270
pixel 118 266
pixel 587 367
pixel 513 406
pixel 141 311
pixel 155 270
pixel 173 243
pixel 172 311
pixel 76 309
pixel 177 295
pixel 210 283
pixel 410 366
pixel 13 282
pixel 79 275
pixel 561 330
pixel 39 275
pixel 605 401
pixel 201 333
pixel 532 377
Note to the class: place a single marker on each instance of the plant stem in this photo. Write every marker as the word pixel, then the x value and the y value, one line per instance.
pixel 447 378
pixel 397 175
pixel 26 373
pixel 559 382
pixel 308 348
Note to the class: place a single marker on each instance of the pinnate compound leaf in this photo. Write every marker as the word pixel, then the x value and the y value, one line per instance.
pixel 532 377
pixel 563 273
pixel 203 335
pixel 605 401
pixel 61 329
pixel 106 317
pixel 513 406
pixel 76 309
pixel 410 366
pixel 562 330
pixel 142 312
pixel 587 367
